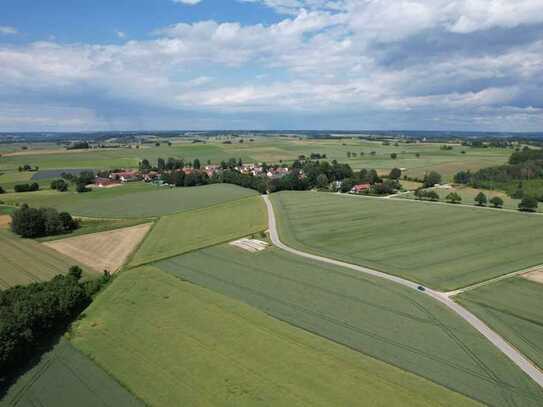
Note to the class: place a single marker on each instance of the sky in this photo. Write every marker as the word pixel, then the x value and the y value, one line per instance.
pixel 82 65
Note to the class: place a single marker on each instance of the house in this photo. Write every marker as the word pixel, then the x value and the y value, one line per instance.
pixel 125 176
pixel 357 189
pixel 151 176
pixel 277 172
pixel 105 182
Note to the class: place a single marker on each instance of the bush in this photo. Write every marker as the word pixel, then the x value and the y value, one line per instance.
pixel 496 201
pixel 30 222
pixel 27 187
pixel 2 190
pixel 431 179
pixel 481 199
pixel 393 156
pixel 528 204
pixel 454 198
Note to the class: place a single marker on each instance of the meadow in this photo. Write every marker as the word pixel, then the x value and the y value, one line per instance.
pixel 135 200
pixel 443 246
pixel 396 325
pixel 23 261
pixel 177 234
pixel 173 343
pixel 514 309
pixel 415 158
pixel 64 377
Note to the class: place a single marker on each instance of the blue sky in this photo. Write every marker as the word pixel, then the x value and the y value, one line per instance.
pixel 271 64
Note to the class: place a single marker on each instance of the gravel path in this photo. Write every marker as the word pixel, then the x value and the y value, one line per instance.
pixel 518 358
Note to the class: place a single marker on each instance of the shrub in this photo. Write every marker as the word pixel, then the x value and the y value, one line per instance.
pixel 60 185
pixel 528 204
pixel 496 201
pixel 481 199
pixel 454 198
pixel 431 179
pixel 27 187
pixel 2 190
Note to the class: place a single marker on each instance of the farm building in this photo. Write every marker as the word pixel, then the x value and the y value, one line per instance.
pixel 105 182
pixel 357 189
pixel 125 176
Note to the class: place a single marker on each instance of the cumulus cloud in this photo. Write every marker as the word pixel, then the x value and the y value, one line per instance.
pixel 428 61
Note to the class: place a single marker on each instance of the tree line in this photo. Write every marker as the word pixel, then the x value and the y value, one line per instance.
pixel 31 222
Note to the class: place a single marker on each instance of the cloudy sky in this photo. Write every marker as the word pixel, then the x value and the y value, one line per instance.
pixel 271 64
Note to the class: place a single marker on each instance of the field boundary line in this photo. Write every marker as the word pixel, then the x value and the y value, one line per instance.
pixel 493 280
pixel 524 363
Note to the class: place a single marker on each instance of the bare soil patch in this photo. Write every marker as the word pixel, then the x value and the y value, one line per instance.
pixel 104 250
pixel 536 276
pixel 5 220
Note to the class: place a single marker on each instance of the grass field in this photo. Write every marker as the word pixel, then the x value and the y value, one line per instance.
pixel 180 233
pixel 23 261
pixel 443 246
pixel 175 344
pixel 137 200
pixel 514 308
pixel 378 318
pixel 64 377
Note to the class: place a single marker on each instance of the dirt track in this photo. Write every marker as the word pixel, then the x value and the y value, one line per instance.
pixel 536 276
pixel 104 250
pixel 5 220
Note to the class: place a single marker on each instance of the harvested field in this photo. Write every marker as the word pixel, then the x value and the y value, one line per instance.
pixel 251 245
pixel 397 325
pixel 172 343
pixel 104 250
pixel 443 246
pixel 514 309
pixel 24 261
pixel 64 377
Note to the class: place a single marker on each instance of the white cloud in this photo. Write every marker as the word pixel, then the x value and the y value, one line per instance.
pixel 120 34
pixel 7 30
pixel 188 2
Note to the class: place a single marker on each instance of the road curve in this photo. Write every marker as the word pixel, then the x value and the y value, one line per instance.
pixel 518 358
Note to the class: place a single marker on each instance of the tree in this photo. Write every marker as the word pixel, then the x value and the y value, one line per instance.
pixel 417 155
pixel 393 156
pixel 161 164
pixel 462 177
pixel 322 181
pixel 432 178
pixel 2 190
pixel 432 195
pixel 454 198
pixel 145 165
pixel 59 185
pixel 481 199
pixel 395 173
pixel 496 201
pixel 528 204
pixel 30 222
pixel 196 164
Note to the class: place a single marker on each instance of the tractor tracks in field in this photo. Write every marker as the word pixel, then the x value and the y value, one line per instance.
pixel 501 344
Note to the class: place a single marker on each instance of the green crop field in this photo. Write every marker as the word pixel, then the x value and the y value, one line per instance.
pixel 135 200
pixel 64 377
pixel 514 308
pixel 376 317
pixel 172 343
pixel 23 261
pixel 180 233
pixel 443 246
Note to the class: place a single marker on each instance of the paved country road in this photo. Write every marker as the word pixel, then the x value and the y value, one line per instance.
pixel 518 358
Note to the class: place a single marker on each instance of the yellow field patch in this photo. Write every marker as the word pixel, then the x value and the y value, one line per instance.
pixel 5 220
pixel 104 250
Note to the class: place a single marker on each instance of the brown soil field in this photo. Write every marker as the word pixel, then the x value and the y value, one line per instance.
pixel 104 250
pixel 5 220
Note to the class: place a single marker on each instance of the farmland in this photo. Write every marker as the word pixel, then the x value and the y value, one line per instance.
pixel 136 200
pixel 378 318
pixel 443 246
pixel 143 330
pixel 23 261
pixel 513 308
pixel 176 234
pixel 416 158
pixel 102 251
pixel 64 378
